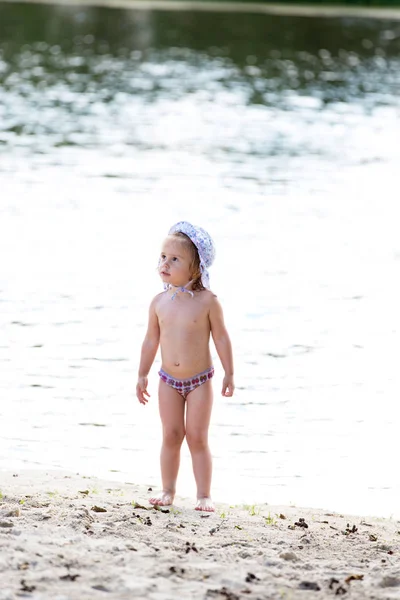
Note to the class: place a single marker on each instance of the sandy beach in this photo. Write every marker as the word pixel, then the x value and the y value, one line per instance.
pixel 65 536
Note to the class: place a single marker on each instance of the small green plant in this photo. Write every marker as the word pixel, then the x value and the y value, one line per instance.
pixel 174 511
pixel 52 494
pixel 253 509
pixel 118 493
pixel 1 496
pixel 22 501
pixel 269 520
pixel 222 515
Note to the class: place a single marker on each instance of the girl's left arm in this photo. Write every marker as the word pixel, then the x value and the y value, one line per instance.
pixel 222 344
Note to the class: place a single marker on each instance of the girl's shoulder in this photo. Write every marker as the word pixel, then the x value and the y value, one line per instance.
pixel 207 296
pixel 156 299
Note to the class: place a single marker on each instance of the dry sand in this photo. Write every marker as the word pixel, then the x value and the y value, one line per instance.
pixel 67 536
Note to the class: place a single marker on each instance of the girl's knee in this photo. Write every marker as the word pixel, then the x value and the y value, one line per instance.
pixel 197 440
pixel 173 437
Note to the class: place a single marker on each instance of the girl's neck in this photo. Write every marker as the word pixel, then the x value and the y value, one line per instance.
pixel 175 289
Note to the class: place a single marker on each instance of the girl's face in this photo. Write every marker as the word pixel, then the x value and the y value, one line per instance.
pixel 175 262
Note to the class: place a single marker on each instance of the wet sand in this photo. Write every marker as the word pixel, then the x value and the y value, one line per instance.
pixel 66 536
pixel 313 10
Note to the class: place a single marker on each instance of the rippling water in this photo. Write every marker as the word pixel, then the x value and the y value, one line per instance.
pixel 281 136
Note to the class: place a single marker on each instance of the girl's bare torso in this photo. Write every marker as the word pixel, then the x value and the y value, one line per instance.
pixel 184 333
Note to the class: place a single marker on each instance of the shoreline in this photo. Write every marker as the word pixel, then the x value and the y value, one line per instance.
pixel 70 536
pixel 294 10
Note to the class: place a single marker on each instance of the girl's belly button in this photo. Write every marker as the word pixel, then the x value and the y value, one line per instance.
pixel 177 364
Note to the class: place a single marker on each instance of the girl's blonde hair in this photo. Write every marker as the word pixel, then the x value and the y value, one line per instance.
pixel 195 271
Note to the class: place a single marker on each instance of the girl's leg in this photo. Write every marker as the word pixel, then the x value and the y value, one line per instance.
pixel 172 410
pixel 198 413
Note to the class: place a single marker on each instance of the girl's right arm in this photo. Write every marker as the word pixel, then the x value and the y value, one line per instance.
pixel 149 351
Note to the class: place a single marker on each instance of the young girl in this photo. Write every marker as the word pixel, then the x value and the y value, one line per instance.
pixel 181 320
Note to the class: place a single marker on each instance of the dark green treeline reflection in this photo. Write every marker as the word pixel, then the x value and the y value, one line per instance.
pixel 101 49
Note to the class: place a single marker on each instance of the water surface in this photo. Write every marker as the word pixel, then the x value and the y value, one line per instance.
pixel 280 136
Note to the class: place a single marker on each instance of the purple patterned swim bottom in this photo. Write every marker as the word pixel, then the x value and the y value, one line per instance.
pixel 184 386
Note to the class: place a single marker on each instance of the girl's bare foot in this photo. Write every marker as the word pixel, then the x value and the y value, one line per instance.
pixel 205 504
pixel 162 499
